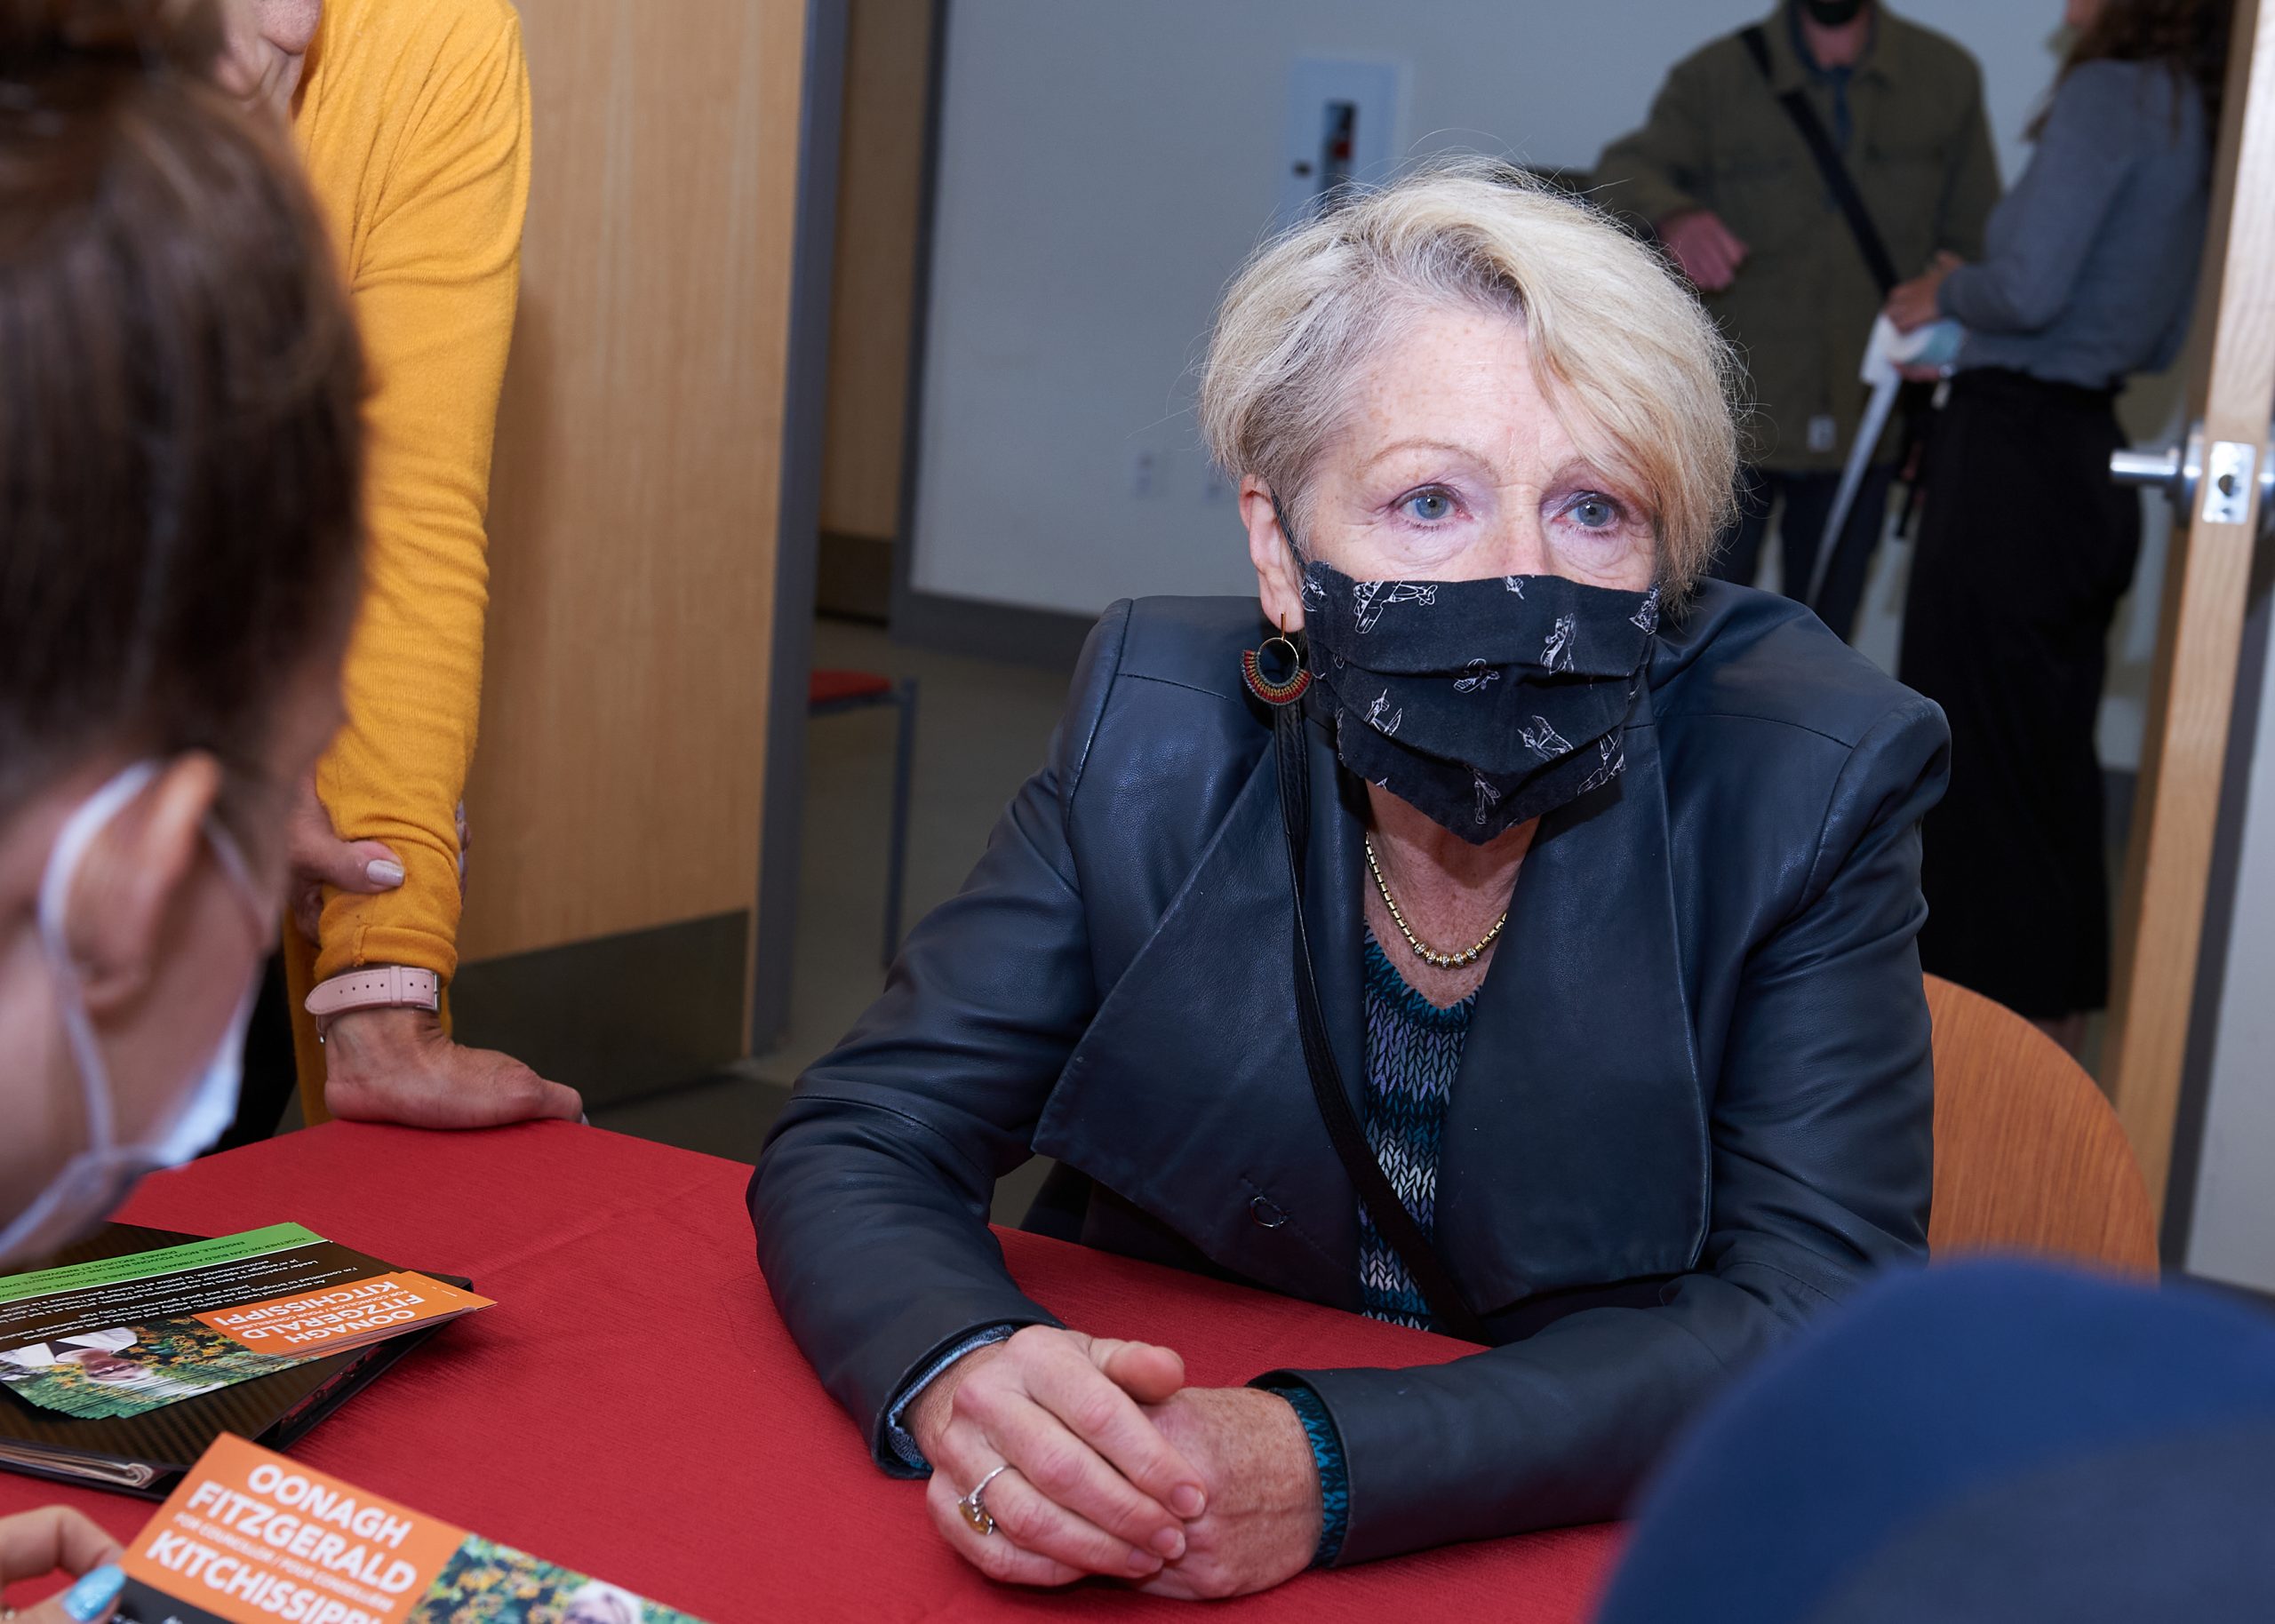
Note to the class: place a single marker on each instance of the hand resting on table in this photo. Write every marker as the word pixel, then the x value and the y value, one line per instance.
pixel 1116 1469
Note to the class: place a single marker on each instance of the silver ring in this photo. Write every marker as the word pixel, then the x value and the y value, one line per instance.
pixel 975 1510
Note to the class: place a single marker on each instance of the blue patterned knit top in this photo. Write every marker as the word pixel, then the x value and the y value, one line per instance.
pixel 1413 1056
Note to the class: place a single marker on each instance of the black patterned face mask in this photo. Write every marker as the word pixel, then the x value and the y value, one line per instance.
pixel 1482 704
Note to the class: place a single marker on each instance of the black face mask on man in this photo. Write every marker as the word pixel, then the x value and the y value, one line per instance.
pixel 1482 703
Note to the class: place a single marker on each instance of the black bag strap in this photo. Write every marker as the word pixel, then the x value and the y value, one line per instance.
pixel 1392 1222
pixel 1829 165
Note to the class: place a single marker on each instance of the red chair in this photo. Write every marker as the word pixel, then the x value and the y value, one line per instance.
pixel 832 693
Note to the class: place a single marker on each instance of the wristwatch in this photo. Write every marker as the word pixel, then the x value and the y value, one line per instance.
pixel 381 986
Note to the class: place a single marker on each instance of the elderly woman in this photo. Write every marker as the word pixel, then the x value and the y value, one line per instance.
pixel 1533 961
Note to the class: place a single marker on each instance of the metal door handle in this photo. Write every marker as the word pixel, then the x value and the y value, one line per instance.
pixel 2179 471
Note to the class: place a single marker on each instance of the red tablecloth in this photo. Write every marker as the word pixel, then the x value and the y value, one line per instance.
pixel 632 1407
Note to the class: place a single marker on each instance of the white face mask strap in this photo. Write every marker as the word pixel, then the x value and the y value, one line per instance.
pixel 78 832
pixel 232 858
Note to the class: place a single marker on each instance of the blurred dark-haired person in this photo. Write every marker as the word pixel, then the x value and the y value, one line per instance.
pixel 179 476
pixel 1992 1442
pixel 1724 175
pixel 413 119
pixel 2087 275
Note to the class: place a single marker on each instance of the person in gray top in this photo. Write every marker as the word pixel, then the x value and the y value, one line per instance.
pixel 2089 275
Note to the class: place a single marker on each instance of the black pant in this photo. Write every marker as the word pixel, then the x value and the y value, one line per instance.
pixel 1809 503
pixel 2024 550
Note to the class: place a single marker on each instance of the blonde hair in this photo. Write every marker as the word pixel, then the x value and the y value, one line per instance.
pixel 1631 363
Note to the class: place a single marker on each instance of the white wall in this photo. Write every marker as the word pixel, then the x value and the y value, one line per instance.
pixel 1105 166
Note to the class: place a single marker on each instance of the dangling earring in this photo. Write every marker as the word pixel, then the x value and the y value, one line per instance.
pixel 1283 656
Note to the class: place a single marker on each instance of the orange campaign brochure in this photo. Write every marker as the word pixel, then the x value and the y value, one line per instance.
pixel 121 1336
pixel 252 1538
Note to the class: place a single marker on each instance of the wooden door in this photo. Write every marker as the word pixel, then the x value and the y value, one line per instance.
pixel 2161 920
pixel 617 794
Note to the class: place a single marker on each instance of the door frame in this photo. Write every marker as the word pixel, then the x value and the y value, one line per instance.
pixel 2170 863
pixel 774 918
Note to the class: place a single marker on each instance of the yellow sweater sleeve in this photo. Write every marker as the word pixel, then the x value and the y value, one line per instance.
pixel 415 124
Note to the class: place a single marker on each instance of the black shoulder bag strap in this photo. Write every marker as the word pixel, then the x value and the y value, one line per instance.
pixel 1392 1222
pixel 1913 398
pixel 1829 165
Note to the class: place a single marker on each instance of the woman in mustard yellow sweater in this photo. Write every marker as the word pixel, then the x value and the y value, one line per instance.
pixel 413 118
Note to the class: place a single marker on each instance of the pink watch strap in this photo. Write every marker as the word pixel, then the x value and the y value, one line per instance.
pixel 387 986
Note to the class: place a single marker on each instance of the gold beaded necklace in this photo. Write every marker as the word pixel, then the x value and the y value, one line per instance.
pixel 1429 955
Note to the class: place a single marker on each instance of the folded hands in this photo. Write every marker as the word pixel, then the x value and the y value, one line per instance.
pixel 1115 1467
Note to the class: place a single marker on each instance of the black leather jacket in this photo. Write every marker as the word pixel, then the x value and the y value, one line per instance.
pixel 1693 1105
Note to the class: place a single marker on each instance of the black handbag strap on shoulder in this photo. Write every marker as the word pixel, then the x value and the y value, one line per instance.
pixel 1447 1306
pixel 1842 185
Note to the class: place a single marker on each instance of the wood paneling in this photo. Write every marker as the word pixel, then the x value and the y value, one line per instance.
pixel 618 781
pixel 880 191
pixel 2029 1157
pixel 2185 752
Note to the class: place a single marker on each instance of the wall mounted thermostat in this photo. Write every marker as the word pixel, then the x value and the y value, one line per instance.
pixel 1342 125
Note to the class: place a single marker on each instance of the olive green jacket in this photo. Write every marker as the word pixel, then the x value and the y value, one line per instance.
pixel 1802 304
